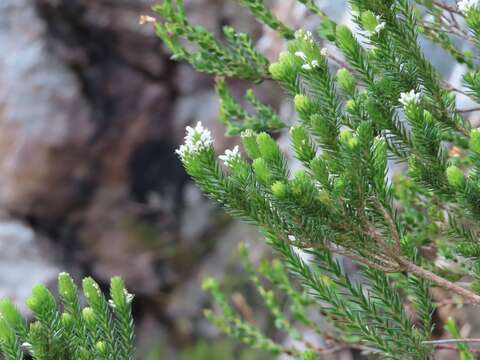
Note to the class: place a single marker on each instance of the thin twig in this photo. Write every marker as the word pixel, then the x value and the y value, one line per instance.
pixel 450 341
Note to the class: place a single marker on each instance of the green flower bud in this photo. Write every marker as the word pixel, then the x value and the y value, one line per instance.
pixel 427 115
pixel 7 333
pixel 278 71
pixel 88 315
pixel 353 143
pixel 67 320
pixel 41 299
pixel 262 171
pixel 267 146
pixel 340 185
pixel 66 287
pixel 351 106
pixel 11 314
pixel 324 197
pixel 369 21
pixel 249 138
pixel 475 141
pixel 92 291
pixel 346 81
pixel 345 38
pixel 287 59
pixel 320 171
pixel 301 144
pixel 345 136
pixel 118 292
pixel 455 177
pixel 279 190
pixel 101 347
pixel 304 106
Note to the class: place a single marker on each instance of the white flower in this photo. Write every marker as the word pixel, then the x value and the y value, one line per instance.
pixel 315 63
pixel 307 67
pixel 292 238
pixel 304 35
pixel 466 5
pixel 230 156
pixel 324 52
pixel 411 97
pixel 301 55
pixel 247 133
pixel 196 140
pixel 380 27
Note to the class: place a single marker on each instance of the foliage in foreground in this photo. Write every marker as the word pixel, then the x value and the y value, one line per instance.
pixel 102 330
pixel 386 103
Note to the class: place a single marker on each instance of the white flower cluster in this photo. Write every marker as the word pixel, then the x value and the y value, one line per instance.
pixel 196 140
pixel 381 25
pixel 308 65
pixel 230 156
pixel 411 97
pixel 304 35
pixel 466 5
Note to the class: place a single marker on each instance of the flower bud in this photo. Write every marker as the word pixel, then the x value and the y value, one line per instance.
pixel 67 320
pixel 278 71
pixel 351 106
pixel 345 38
pixel 262 171
pixel 304 106
pixel 346 81
pixel 279 190
pixel 475 141
pixel 250 145
pixel 267 146
pixel 101 347
pixel 88 315
pixel 455 177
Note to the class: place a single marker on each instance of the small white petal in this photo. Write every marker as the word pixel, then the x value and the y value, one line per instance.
pixel 307 67
pixel 411 97
pixel 301 55
pixel 230 156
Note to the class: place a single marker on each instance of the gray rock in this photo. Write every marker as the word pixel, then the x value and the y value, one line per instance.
pixel 23 262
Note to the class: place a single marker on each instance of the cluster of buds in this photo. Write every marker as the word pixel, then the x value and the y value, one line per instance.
pixel 412 97
pixel 230 156
pixel 305 36
pixel 308 65
pixel 196 140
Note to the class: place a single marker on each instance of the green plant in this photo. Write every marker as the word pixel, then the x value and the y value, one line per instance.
pixel 102 330
pixel 386 102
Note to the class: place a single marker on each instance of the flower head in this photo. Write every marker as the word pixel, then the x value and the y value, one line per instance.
pixel 196 140
pixel 304 35
pixel 411 97
pixel 466 5
pixel 301 55
pixel 230 156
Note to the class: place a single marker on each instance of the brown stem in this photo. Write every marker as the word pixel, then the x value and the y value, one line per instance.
pixel 427 275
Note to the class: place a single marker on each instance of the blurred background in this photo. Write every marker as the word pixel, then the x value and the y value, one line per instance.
pixel 91 110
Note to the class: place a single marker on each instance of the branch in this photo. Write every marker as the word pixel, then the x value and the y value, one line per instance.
pixel 469 296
